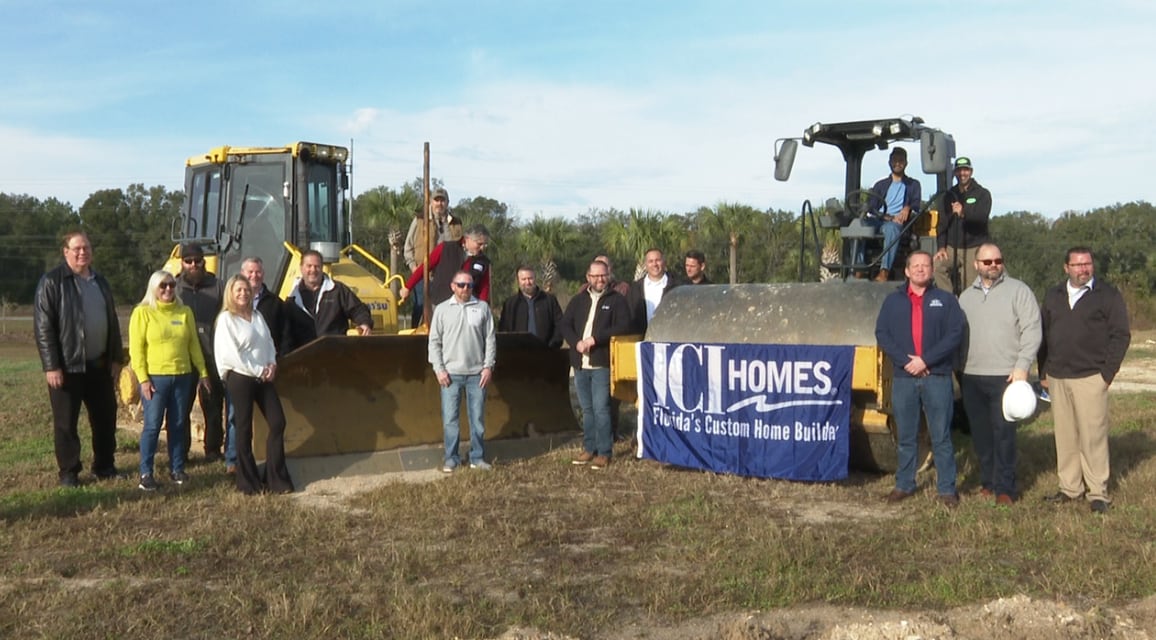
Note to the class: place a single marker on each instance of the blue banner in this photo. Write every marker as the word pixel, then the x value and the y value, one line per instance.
pixel 768 411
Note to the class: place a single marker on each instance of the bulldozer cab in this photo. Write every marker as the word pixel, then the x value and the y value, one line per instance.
pixel 851 217
pixel 251 201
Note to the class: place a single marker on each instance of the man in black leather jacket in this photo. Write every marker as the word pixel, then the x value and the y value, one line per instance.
pixel 78 337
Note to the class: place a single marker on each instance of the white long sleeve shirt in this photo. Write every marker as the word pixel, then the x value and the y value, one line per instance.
pixel 244 346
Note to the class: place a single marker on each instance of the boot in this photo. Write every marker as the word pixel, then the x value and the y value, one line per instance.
pixel 883 276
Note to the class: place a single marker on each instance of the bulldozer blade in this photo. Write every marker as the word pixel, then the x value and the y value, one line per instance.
pixel 361 395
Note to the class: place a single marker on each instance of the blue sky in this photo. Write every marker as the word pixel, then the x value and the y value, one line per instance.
pixel 560 107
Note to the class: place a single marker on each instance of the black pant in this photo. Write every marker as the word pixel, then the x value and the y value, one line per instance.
pixel 94 388
pixel 993 437
pixel 245 391
pixel 212 406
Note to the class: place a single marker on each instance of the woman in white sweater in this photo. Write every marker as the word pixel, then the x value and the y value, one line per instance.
pixel 247 361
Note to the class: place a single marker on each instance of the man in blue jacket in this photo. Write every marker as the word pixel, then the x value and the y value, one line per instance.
pixel 920 329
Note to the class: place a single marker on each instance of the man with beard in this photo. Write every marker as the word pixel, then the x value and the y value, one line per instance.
pixel 591 319
pixel 321 306
pixel 440 230
pixel 1086 335
pixel 201 291
pixel 1003 336
pixel 532 310
pixel 899 196
pixel 961 230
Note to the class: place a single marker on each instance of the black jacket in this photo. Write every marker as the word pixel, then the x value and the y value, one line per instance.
pixel 272 309
pixel 611 318
pixel 58 322
pixel 337 306
pixel 547 316
pixel 205 299
pixel 636 300
pixel 971 229
pixel 1090 338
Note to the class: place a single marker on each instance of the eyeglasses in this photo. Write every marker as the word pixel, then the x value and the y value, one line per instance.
pixel 1079 264
pixel 464 285
pixel 988 263
pixel 193 260
pixel 84 249
pixel 168 285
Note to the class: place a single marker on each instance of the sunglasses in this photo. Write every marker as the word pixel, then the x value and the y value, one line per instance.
pixel 464 285
pixel 193 260
pixel 168 285
pixel 988 263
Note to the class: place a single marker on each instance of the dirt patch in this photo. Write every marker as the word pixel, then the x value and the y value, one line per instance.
pixel 1017 617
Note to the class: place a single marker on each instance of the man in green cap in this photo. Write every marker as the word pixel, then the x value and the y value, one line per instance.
pixel 962 229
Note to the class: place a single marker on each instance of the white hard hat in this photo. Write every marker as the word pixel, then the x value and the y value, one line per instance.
pixel 1019 401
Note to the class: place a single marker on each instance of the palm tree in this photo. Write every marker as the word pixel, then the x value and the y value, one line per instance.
pixel 544 238
pixel 733 221
pixel 632 233
pixel 382 216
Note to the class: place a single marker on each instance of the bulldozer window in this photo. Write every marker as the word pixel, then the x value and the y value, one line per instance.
pixel 324 225
pixel 264 224
pixel 204 204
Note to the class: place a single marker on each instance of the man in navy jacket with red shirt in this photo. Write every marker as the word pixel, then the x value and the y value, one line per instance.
pixel 920 329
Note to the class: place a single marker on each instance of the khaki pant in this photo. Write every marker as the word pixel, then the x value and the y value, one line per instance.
pixel 961 261
pixel 1080 409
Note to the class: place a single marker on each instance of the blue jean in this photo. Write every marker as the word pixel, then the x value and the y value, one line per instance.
pixel 933 395
pixel 891 231
pixel 593 387
pixel 475 407
pixel 171 395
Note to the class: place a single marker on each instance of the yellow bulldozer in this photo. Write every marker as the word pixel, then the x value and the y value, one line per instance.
pixel 839 311
pixel 354 404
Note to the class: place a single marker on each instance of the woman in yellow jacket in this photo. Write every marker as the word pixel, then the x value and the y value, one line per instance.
pixel 166 357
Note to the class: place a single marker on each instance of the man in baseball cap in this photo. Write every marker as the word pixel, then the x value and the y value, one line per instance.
pixel 961 230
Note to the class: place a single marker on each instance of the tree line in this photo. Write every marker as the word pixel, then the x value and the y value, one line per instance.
pixel 131 230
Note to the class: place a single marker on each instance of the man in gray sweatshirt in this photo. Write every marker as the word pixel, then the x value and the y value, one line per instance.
pixel 1003 336
pixel 462 349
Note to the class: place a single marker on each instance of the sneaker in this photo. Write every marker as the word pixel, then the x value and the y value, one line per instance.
pixel 69 480
pixel 599 462
pixel 482 465
pixel 147 483
pixel 583 458
pixel 231 469
pixel 179 477
pixel 1043 395
pixel 449 467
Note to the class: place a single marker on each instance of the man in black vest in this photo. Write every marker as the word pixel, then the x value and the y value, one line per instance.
pixel 467 254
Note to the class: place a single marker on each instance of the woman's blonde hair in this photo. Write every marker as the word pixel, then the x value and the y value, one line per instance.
pixel 230 304
pixel 155 280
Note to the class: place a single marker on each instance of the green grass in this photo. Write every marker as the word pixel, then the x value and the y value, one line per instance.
pixel 541 543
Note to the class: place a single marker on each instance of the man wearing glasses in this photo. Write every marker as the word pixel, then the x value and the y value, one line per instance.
pixel 1003 337
pixel 78 337
pixel 1086 335
pixel 203 292
pixel 961 229
pixel 591 319
pixel 462 350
